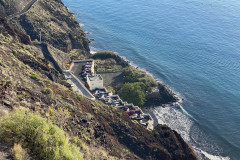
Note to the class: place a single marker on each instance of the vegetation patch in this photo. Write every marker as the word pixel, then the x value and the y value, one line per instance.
pixel 47 91
pixel 133 93
pixel 79 97
pixel 34 76
pixel 132 75
pixel 2 64
pixel 14 51
pixel 106 66
pixel 42 139
pixel 18 152
pixel 51 112
pixel 9 82
pixel 109 54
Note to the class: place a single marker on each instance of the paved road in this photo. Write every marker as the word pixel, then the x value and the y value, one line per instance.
pixel 25 9
pixel 77 85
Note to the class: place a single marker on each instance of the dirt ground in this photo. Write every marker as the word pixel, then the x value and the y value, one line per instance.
pixel 5 153
pixel 113 79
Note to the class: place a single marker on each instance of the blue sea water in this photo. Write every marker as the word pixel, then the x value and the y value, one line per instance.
pixel 193 47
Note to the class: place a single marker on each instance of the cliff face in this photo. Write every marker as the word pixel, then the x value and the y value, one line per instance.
pixel 59 28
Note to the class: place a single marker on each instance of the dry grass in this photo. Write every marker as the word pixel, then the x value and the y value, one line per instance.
pixel 18 152
pixel 3 112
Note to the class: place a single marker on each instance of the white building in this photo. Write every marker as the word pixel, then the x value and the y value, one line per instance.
pixel 95 82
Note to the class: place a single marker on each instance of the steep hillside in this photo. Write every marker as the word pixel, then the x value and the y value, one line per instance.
pixel 8 7
pixel 28 80
pixel 59 27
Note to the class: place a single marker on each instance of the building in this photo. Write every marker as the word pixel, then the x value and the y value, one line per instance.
pixel 95 81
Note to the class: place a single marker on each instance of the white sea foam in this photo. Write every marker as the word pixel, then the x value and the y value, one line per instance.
pixel 180 120
pixel 87 32
pixel 173 117
pixel 213 157
pixel 81 24
pixel 93 50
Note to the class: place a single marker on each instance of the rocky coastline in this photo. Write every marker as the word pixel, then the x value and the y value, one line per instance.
pixel 26 81
pixel 160 95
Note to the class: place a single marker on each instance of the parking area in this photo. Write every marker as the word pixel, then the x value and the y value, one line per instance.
pixel 77 85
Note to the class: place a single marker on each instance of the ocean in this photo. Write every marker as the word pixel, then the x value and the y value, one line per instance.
pixel 191 46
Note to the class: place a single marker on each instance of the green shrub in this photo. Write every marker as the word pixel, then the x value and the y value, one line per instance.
pixel 79 97
pixel 14 51
pixel 48 91
pixel 69 106
pixel 133 93
pixel 155 133
pixel 110 54
pixel 132 75
pixel 109 88
pixel 2 64
pixel 51 112
pixel 43 139
pixel 77 141
pixel 34 76
pixel 9 82
pixel 42 83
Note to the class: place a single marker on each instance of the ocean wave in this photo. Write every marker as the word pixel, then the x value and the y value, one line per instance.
pixel 177 118
pixel 81 24
pixel 204 155
pixel 213 157
pixel 93 50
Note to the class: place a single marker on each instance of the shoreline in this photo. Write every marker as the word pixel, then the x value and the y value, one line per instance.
pixel 161 89
pixel 176 94
pixel 161 96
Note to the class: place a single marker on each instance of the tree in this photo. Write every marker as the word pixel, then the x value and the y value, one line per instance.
pixel 133 93
pixel 132 75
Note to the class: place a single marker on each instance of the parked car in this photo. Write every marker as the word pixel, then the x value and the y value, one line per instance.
pixel 131 112
pixel 139 117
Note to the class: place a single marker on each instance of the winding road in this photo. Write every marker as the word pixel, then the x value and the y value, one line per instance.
pixel 25 9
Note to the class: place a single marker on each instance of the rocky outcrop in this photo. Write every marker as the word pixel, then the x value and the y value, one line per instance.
pixel 162 96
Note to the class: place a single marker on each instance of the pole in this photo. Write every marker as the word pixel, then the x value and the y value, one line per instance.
pixel 40 37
